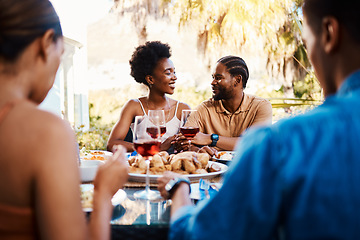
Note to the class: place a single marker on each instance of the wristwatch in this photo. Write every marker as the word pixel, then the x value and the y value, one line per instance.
pixel 214 138
pixel 172 185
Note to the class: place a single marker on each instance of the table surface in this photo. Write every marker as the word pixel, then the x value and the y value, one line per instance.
pixel 144 212
pixel 141 212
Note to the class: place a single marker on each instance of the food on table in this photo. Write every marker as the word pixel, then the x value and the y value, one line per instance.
pixel 94 154
pixel 95 158
pixel 184 163
pixel 225 156
pixel 87 198
pixel 97 153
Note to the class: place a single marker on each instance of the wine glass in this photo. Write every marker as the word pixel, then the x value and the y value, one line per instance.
pixel 157 117
pixel 147 145
pixel 188 129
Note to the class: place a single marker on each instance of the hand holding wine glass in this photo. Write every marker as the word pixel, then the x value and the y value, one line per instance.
pixel 147 144
pixel 187 128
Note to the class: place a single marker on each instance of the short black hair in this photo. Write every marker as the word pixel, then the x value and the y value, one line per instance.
pixel 21 22
pixel 145 59
pixel 236 66
pixel 345 11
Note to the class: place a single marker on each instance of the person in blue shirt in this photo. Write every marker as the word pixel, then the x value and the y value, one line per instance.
pixel 299 178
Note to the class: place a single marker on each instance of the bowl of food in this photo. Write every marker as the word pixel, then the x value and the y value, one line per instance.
pixel 88 169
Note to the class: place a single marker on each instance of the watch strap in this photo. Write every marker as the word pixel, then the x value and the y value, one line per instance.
pixel 174 183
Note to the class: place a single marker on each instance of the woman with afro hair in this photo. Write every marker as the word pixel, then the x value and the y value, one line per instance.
pixel 150 65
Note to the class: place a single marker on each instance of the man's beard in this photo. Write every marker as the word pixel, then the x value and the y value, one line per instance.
pixel 223 94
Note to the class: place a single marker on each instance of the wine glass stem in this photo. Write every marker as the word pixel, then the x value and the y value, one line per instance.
pixel 147 182
pixel 189 144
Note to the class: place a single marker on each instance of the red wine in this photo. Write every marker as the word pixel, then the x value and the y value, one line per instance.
pixel 153 131
pixel 162 130
pixel 148 148
pixel 189 132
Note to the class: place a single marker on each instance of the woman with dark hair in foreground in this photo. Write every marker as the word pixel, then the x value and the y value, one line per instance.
pixel 39 175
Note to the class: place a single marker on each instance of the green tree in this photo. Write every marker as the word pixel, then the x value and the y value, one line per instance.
pixel 270 28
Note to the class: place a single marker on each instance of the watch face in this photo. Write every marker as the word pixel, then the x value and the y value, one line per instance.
pixel 215 137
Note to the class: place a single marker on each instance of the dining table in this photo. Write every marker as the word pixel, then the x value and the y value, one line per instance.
pixel 140 219
pixel 136 219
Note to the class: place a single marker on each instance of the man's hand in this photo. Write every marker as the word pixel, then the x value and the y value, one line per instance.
pixel 209 150
pixel 180 197
pixel 202 139
pixel 162 181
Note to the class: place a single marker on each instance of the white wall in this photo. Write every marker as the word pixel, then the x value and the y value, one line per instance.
pixel 74 17
pixel 53 101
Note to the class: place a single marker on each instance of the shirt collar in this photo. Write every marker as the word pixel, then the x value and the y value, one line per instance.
pixel 243 106
pixel 350 84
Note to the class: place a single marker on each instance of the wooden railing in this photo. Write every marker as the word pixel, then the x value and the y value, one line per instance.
pixel 290 102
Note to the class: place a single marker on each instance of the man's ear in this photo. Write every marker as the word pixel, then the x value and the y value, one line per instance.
pixel 238 80
pixel 46 42
pixel 330 34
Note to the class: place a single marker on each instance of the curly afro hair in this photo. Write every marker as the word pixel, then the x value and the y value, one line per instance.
pixel 145 58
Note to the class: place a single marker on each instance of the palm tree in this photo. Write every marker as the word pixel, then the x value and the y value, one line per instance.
pixel 261 27
pixel 140 10
pixel 266 28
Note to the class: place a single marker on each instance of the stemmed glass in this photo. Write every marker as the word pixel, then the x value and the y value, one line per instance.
pixel 147 145
pixel 157 117
pixel 188 129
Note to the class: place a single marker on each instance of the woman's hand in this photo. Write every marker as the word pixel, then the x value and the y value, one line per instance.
pixel 167 143
pixel 112 175
pixel 180 143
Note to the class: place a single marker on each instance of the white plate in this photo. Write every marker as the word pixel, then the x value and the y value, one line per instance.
pixel 222 160
pixel 118 197
pixel 193 177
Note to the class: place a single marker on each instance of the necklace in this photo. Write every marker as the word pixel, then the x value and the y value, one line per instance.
pixel 166 111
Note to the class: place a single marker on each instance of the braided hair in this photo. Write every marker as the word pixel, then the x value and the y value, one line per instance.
pixel 236 66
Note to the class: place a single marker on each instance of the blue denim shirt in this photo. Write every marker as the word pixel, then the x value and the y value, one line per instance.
pixel 297 179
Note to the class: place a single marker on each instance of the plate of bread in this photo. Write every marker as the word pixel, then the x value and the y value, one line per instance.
pixel 190 164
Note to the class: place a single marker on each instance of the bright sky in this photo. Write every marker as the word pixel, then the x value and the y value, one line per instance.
pixel 75 15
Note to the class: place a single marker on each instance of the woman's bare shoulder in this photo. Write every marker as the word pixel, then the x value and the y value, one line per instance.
pixel 132 107
pixel 131 103
pixel 40 122
pixel 39 133
pixel 183 106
